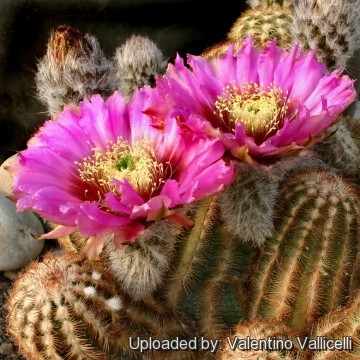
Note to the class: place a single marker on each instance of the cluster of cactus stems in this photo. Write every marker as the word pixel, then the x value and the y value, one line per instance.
pixel 275 256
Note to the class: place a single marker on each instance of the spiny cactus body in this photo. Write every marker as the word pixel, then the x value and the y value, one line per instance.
pixel 206 270
pixel 66 307
pixel 340 150
pixel 310 266
pixel 140 267
pixel 247 205
pixel 56 304
pixel 74 67
pixel 330 26
pixel 341 325
pixel 264 24
pixel 137 62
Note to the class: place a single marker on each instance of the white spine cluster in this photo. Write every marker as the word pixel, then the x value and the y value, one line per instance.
pixel 140 266
pixel 331 26
pixel 137 63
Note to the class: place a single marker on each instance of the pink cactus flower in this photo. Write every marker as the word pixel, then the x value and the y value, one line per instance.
pixel 262 104
pixel 104 171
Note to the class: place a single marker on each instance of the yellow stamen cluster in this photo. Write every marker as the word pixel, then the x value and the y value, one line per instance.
pixel 137 164
pixel 261 110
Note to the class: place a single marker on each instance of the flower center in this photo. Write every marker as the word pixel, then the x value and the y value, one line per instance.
pixel 261 111
pixel 137 164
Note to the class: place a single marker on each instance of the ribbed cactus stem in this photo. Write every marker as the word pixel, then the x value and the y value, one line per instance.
pixel 190 260
pixel 310 267
pixel 343 325
pixel 207 269
pixel 67 307
pixel 264 23
pixel 56 304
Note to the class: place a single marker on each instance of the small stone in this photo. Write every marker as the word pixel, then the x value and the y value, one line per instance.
pixel 12 274
pixel 17 245
pixel 6 179
pixel 6 348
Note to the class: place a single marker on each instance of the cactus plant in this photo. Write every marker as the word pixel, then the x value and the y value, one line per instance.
pixel 261 339
pixel 274 254
pixel 341 325
pixel 264 23
pixel 337 38
pixel 310 267
pixel 58 302
pixel 141 266
pixel 66 307
pixel 137 62
pixel 208 261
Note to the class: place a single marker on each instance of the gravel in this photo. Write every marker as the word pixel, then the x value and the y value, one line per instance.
pixel 8 350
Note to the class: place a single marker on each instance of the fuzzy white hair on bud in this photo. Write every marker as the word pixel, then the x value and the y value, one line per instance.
pixel 137 63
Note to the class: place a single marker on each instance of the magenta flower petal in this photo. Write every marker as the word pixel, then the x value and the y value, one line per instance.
pixel 105 170
pixel 100 221
pixel 258 102
pixel 46 203
pixel 153 206
pixel 171 190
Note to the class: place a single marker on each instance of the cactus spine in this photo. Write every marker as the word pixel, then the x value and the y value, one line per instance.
pixel 74 67
pixel 337 38
pixel 66 307
pixel 140 266
pixel 342 322
pixel 207 267
pixel 264 23
pixel 309 268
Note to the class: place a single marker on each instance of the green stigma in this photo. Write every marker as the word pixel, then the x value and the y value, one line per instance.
pixel 125 163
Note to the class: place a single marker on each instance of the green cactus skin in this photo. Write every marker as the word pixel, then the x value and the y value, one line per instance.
pixel 207 270
pixel 261 329
pixel 264 24
pixel 310 267
pixel 341 322
pixel 67 307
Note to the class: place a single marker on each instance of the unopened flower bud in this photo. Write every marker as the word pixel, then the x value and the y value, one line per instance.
pixel 74 67
pixel 138 61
